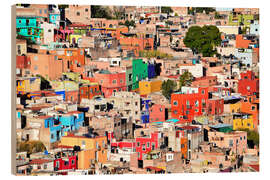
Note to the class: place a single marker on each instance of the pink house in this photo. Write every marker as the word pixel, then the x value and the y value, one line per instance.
pixel 157 113
pixel 236 140
pixel 111 82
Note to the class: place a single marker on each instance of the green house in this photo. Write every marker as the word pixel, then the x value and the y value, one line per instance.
pixel 240 19
pixel 139 72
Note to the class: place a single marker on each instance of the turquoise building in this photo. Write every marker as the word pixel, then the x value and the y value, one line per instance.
pixel 29 27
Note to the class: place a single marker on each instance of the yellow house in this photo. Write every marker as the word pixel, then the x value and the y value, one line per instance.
pixel 74 38
pixel 147 87
pixel 243 121
pixel 29 84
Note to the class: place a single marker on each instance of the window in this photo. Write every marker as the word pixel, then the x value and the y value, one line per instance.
pixel 231 143
pixel 196 110
pixel 45 11
pixel 55 57
pixel 153 146
pixel 49 30
pixel 20 21
pixel 83 143
pixel 196 103
pixel 78 13
pixel 121 80
pixel 97 145
pixel 175 112
pixel 40 11
pixel 175 103
pixel 114 81
pixel 187 112
pixel 35 58
pixel 161 109
pixel 143 147
pixel 52 136
pixel 66 163
pixel 138 144
pixel 253 108
pixel 72 161
pixel 202 91
pixel 35 67
pixel 86 10
pixel 148 144
pixel 45 166
pixel 81 52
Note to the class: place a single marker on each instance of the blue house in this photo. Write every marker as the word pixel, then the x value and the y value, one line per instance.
pixel 151 70
pixel 55 127
pixel 58 125
pixel 145 104
pixel 145 117
pixel 72 121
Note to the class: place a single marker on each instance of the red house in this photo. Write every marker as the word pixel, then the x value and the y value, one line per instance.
pixel 65 163
pixel 111 82
pixel 89 91
pixel 157 113
pixel 146 144
pixel 215 106
pixel 248 84
pixel 188 103
pixel 22 62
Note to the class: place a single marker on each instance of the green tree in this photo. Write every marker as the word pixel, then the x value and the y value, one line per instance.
pixel 185 79
pixel 100 12
pixel 130 23
pixel 167 88
pixel 203 39
pixel 252 136
pixel 200 10
pixel 166 9
pixel 31 147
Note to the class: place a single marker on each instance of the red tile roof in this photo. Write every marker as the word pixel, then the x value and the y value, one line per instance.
pixel 189 127
pixel 40 161
pixel 256 167
pixel 153 168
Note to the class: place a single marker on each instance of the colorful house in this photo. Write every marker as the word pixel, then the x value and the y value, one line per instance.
pixel 146 144
pixel 111 82
pixel 188 103
pixel 89 91
pixel 139 72
pixel 26 85
pixel 29 28
pixel 92 149
pixel 248 84
pixel 147 87
pixel 243 121
pixel 157 113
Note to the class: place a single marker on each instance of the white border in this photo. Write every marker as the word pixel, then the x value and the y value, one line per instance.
pixel 264 82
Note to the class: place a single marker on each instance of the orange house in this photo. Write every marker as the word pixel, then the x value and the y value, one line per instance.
pixel 241 42
pixel 251 107
pixel 93 149
pixel 136 44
